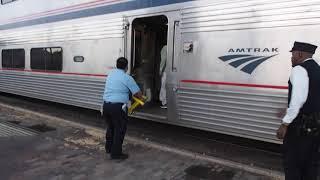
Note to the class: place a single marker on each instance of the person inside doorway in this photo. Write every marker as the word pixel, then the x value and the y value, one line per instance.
pixel 163 75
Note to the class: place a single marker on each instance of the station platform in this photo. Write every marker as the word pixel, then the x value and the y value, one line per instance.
pixel 53 149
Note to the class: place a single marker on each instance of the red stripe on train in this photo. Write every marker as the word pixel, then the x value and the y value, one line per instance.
pixel 234 84
pixel 183 81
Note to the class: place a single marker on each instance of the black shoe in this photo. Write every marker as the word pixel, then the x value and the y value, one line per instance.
pixel 122 156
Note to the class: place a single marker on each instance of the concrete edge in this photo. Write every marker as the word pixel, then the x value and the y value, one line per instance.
pixel 100 133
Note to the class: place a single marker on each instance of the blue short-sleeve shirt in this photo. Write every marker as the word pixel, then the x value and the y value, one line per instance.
pixel 118 86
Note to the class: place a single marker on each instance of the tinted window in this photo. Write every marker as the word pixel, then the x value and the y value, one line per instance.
pixel 6 1
pixel 13 58
pixel 6 58
pixel 48 59
pixel 37 61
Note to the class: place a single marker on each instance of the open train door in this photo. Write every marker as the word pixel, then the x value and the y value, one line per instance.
pixel 174 46
pixel 150 40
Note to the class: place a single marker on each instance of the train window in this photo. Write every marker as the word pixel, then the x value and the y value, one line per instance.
pixel 13 58
pixel 37 61
pixel 48 59
pixel 6 1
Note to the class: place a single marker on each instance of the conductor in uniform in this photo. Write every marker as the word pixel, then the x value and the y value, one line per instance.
pixel 118 87
pixel 300 125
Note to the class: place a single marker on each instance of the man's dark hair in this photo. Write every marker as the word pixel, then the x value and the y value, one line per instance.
pixel 122 63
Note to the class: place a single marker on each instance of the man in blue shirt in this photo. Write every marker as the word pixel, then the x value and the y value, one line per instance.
pixel 116 96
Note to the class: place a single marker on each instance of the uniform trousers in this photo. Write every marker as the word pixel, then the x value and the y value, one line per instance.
pixel 163 91
pixel 116 119
pixel 300 154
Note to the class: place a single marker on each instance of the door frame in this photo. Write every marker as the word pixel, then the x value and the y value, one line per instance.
pixel 173 56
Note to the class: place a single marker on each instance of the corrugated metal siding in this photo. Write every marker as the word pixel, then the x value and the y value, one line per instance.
pixel 250 15
pixel 238 113
pixel 68 31
pixel 9 130
pixel 78 91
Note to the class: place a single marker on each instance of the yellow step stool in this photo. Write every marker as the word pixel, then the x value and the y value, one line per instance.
pixel 137 102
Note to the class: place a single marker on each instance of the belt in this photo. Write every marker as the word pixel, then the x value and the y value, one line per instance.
pixel 113 102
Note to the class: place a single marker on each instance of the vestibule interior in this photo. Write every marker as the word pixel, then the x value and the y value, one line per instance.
pixel 149 36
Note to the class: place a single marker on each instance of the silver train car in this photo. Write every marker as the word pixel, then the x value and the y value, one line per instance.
pixel 228 61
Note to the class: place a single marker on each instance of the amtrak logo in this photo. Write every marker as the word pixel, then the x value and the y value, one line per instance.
pixel 248 63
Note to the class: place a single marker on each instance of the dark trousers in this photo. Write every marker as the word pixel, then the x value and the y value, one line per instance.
pixel 117 120
pixel 300 154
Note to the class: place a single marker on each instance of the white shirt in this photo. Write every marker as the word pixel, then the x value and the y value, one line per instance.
pixel 300 89
pixel 163 59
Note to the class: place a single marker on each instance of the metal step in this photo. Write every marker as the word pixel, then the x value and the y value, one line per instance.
pixel 149 116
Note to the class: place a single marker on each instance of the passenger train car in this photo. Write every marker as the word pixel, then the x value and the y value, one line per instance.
pixel 228 61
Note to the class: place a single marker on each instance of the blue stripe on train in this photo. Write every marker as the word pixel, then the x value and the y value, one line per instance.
pixel 125 6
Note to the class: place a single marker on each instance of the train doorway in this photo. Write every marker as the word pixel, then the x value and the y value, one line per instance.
pixel 148 65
